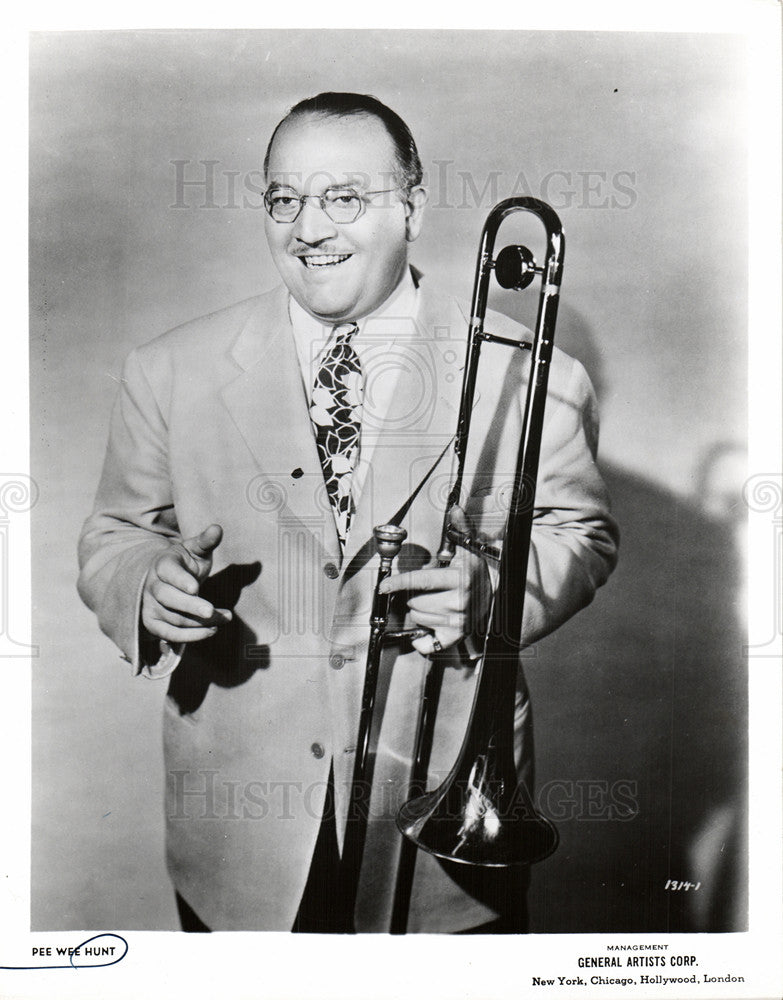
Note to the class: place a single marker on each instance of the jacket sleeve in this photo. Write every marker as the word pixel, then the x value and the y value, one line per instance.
pixel 132 523
pixel 575 539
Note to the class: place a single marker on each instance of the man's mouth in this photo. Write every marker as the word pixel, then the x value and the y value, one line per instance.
pixel 313 261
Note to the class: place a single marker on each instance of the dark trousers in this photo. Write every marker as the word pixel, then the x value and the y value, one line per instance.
pixel 320 909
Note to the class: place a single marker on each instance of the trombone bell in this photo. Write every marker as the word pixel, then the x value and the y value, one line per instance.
pixel 480 815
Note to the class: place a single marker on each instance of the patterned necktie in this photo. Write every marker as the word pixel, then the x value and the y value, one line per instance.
pixel 336 413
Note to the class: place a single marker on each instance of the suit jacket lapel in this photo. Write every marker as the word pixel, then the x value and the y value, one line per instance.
pixel 268 404
pixel 420 423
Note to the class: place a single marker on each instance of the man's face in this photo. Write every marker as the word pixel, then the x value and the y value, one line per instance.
pixel 340 271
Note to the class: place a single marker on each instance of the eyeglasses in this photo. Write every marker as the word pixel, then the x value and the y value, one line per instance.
pixel 342 205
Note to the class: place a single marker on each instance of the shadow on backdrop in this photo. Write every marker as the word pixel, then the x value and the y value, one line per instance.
pixel 641 711
pixel 641 733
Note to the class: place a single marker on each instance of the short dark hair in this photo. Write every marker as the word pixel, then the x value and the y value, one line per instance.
pixel 339 105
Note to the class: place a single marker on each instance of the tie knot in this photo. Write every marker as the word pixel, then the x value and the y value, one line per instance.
pixel 344 331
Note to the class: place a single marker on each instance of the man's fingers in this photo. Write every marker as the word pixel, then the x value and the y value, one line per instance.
pixel 174 599
pixel 425 645
pixel 202 546
pixel 439 602
pixel 162 613
pixel 171 606
pixel 440 597
pixel 443 578
pixel 171 633
pixel 458 519
pixel 442 639
pixel 197 608
pixel 154 615
pixel 431 619
pixel 169 569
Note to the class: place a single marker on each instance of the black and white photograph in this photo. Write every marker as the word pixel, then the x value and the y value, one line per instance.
pixel 395 479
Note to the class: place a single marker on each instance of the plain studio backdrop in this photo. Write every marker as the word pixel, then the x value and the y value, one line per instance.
pixel 637 140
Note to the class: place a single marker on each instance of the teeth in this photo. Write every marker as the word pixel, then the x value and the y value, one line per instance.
pixel 323 260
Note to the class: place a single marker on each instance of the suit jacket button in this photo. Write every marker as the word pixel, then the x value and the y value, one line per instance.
pixel 331 571
pixel 337 661
pixel 317 751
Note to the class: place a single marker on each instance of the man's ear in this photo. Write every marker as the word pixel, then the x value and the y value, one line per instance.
pixel 414 210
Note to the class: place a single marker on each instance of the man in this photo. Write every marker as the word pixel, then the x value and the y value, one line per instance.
pixel 251 453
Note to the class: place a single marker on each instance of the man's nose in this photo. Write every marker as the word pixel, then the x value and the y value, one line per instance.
pixel 313 224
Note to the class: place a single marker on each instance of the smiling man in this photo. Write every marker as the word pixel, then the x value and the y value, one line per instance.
pixel 230 549
pixel 337 235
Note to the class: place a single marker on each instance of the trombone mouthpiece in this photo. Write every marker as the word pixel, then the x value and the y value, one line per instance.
pixel 389 539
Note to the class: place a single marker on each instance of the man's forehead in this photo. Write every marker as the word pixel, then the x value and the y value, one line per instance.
pixel 329 150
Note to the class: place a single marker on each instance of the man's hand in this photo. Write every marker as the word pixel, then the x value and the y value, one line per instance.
pixel 170 606
pixel 452 601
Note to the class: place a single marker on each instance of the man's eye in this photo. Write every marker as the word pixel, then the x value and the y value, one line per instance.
pixel 284 200
pixel 344 198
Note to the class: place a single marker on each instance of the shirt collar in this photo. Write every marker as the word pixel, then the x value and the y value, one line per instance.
pixel 403 302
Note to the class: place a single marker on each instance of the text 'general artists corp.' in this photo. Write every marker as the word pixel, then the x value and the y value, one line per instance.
pixel 637 965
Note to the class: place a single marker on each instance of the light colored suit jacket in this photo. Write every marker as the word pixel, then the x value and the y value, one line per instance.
pixel 212 425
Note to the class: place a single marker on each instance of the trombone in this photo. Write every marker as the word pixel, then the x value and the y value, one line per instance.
pixel 480 815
